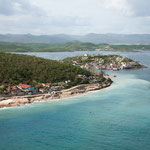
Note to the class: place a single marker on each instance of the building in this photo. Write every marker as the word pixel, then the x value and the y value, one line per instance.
pixel 46 84
pixel 132 63
pixel 42 90
pixel 56 88
pixel 16 91
pixel 115 68
pixel 27 88
pixel 23 86
pixel 74 62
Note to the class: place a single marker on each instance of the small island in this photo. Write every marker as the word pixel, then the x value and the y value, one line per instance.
pixel 103 62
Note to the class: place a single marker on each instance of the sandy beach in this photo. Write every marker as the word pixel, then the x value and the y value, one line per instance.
pixel 59 95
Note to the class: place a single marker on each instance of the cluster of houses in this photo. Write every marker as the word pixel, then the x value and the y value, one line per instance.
pixel 111 66
pixel 51 89
pixel 24 89
pixel 96 78
pixel 99 63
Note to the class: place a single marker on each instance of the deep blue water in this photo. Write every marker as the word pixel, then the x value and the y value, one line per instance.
pixel 116 118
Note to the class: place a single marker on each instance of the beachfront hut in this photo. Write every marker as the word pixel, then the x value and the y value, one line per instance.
pixel 56 88
pixel 16 91
pixel 42 90
pixel 31 89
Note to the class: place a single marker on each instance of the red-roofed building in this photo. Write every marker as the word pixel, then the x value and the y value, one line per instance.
pixel 115 68
pixel 74 61
pixel 16 91
pixel 43 90
pixel 46 84
pixel 23 86
pixel 97 74
pixel 56 88
pixel 14 88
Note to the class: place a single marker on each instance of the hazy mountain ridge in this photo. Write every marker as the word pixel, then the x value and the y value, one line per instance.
pixel 117 38
pixel 64 38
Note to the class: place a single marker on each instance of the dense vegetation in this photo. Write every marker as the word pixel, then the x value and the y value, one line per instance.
pixel 74 46
pixel 130 47
pixel 44 47
pixel 16 69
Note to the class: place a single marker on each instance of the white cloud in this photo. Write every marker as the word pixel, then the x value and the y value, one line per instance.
pixel 74 17
pixel 12 7
pixel 120 6
pixel 140 8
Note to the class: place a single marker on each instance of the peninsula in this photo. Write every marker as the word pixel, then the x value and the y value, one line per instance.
pixel 25 79
pixel 103 62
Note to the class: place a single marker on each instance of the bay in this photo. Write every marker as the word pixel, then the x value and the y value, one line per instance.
pixel 115 118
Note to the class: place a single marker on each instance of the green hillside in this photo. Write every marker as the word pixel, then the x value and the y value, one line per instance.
pixel 88 38
pixel 16 69
pixel 44 47
pixel 69 47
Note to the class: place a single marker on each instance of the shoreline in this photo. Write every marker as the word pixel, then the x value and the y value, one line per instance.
pixel 67 93
pixel 123 51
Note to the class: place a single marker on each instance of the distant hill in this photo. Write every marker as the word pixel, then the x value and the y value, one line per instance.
pixel 47 47
pixel 67 47
pixel 90 38
pixel 29 38
pixel 117 38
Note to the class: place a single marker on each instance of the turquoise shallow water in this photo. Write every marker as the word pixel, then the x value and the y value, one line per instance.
pixel 116 118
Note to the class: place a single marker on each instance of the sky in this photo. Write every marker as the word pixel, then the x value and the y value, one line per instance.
pixel 76 17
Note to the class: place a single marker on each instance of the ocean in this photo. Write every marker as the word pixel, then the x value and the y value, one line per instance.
pixel 115 118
